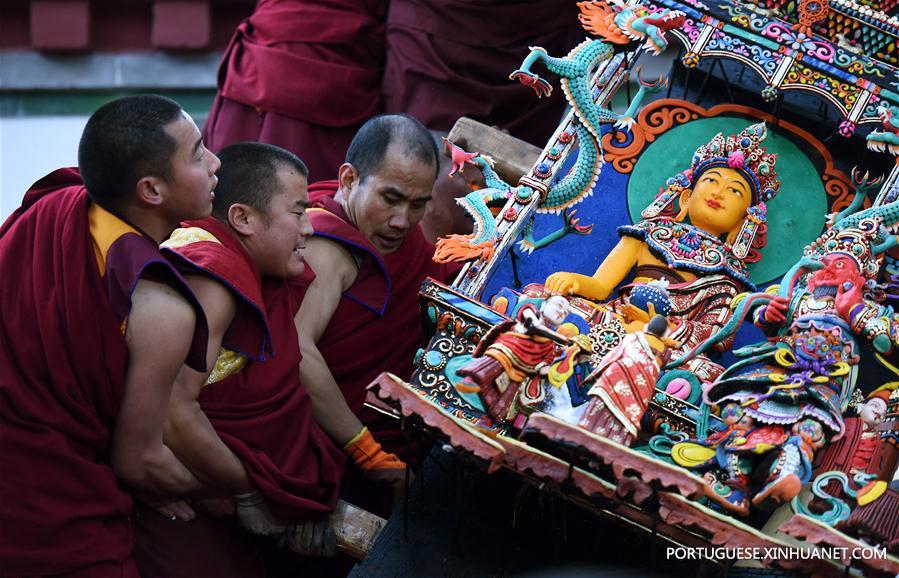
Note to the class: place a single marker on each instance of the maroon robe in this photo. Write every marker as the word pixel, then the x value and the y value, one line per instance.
pixel 376 326
pixel 302 75
pixel 452 58
pixel 63 357
pixel 263 412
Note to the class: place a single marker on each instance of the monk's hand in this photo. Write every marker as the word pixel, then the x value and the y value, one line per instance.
pixel 254 516
pixel 563 283
pixel 315 538
pixel 218 507
pixel 174 509
pixel 376 464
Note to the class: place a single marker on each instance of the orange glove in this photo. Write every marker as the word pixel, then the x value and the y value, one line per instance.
pixel 368 455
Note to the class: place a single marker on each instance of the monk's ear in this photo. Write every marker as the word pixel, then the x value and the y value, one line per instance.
pixel 347 176
pixel 149 191
pixel 682 203
pixel 241 217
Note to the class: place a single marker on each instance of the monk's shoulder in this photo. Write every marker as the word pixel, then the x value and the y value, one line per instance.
pixel 332 261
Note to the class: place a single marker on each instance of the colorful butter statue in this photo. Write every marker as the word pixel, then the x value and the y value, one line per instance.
pixel 876 519
pixel 511 360
pixel 698 235
pixel 622 26
pixel 624 382
pixel 795 387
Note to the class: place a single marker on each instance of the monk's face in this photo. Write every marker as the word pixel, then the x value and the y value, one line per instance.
pixel 188 193
pixel 280 234
pixel 719 201
pixel 387 204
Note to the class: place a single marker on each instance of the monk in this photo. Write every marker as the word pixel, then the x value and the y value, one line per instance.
pixel 96 325
pixel 449 58
pixel 360 315
pixel 302 75
pixel 245 427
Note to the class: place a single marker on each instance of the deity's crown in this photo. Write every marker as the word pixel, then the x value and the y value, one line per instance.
pixel 742 152
pixel 856 241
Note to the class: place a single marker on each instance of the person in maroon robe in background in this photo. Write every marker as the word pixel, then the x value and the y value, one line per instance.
pixel 95 326
pixel 303 75
pixel 360 315
pixel 245 428
pixel 452 58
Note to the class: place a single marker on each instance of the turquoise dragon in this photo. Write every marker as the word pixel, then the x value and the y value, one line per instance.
pixel 618 24
pixel 888 139
pixel 478 205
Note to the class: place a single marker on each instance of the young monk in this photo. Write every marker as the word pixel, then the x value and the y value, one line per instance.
pixel 245 427
pixel 95 326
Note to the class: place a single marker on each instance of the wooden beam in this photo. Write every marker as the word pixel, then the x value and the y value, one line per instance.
pixel 181 24
pixel 514 157
pixel 356 529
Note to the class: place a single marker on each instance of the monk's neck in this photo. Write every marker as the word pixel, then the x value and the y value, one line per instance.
pixel 340 197
pixel 148 222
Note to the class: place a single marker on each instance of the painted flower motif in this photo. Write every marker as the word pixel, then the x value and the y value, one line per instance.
pixel 802 43
pixel 847 127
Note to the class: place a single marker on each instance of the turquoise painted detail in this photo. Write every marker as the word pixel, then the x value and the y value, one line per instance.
pixel 450 371
pixel 434 359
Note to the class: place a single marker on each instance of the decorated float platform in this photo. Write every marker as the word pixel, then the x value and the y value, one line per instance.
pixel 680 320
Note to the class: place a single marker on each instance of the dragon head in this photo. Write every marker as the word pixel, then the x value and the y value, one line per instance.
pixel 622 23
pixel 887 139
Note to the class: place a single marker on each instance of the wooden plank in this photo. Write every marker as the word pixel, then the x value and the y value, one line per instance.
pixel 514 157
pixel 356 529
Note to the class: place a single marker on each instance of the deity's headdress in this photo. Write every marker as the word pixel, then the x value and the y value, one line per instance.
pixel 856 241
pixel 743 153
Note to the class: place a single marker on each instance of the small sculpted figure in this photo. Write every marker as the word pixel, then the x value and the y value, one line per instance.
pixel 624 383
pixel 875 519
pixel 513 357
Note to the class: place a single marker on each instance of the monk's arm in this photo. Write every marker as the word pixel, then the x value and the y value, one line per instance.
pixel 187 429
pixel 159 333
pixel 335 272
pixel 610 273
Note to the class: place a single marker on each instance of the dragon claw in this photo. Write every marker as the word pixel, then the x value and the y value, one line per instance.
pixel 538 85
pixel 625 122
pixel 863 181
pixel 651 87
pixel 572 223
